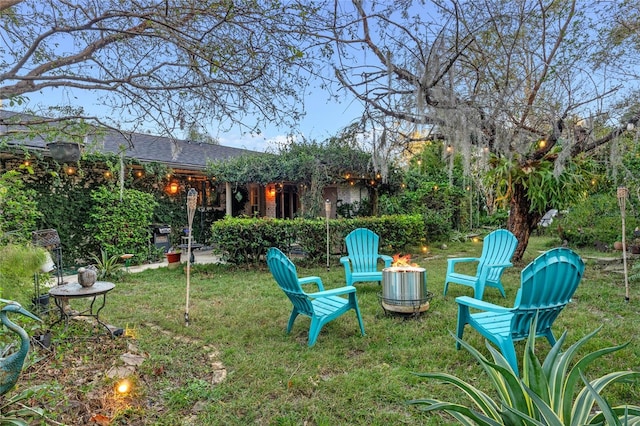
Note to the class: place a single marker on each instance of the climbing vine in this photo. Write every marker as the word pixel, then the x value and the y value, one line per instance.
pixel 121 226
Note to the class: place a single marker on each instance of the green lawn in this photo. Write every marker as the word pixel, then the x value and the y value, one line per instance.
pixel 238 318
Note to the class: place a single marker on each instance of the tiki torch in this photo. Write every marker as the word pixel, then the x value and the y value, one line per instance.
pixel 192 199
pixel 327 213
pixel 622 194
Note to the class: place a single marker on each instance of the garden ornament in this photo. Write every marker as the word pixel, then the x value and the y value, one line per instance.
pixel 11 365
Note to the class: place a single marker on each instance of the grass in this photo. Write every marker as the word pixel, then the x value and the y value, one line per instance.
pixel 238 317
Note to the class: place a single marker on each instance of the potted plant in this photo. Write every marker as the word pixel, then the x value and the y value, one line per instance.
pixel 617 245
pixel 173 258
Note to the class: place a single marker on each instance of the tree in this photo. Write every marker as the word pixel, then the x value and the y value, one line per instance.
pixel 524 85
pixel 161 63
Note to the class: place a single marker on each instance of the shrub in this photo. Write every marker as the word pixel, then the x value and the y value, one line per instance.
pixel 497 220
pixel 438 203
pixel 244 240
pixel 595 219
pixel 18 264
pixel 546 393
pixel 18 209
pixel 121 226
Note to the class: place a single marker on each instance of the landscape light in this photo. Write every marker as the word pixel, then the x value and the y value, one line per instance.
pixel 123 387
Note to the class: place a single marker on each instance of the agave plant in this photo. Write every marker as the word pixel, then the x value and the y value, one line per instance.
pixel 109 267
pixel 544 395
pixel 14 412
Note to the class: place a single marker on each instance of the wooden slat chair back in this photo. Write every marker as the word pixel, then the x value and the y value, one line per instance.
pixel 497 249
pixel 321 306
pixel 547 285
pixel 361 262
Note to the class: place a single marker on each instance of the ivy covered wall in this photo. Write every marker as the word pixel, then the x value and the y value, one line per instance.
pixel 62 194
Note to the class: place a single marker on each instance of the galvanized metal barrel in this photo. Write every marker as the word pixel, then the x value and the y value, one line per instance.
pixel 404 285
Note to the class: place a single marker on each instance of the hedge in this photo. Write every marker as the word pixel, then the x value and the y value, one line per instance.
pixel 245 240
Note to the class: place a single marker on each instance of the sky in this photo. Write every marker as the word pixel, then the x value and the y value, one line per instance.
pixel 323 118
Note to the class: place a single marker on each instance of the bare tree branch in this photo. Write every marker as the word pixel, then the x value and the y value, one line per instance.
pixel 165 62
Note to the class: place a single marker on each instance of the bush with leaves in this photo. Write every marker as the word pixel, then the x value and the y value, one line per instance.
pixel 18 209
pixel 438 203
pixel 244 240
pixel 121 226
pixel 594 219
pixel 18 264
pixel 544 395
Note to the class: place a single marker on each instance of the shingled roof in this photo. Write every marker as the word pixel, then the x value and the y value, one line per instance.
pixel 146 148
pixel 175 153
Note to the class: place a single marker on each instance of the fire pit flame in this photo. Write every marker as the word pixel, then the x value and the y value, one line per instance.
pixel 399 260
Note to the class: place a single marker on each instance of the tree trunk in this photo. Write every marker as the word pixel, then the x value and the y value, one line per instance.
pixel 374 201
pixel 521 221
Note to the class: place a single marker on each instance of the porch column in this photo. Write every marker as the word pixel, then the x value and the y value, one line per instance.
pixel 229 205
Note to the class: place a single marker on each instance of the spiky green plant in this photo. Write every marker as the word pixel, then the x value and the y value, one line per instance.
pixel 14 412
pixel 544 395
pixel 109 267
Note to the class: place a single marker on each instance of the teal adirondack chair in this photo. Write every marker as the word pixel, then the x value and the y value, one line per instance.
pixel 361 262
pixel 547 285
pixel 321 306
pixel 497 249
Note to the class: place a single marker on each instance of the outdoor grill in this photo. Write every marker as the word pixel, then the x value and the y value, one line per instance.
pixel 404 290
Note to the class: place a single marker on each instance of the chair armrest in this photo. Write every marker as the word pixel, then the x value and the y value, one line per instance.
pixel 499 265
pixel 455 260
pixel 451 263
pixel 386 259
pixel 333 292
pixel 346 262
pixel 479 304
pixel 312 280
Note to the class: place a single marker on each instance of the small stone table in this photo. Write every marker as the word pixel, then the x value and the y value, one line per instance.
pixel 76 291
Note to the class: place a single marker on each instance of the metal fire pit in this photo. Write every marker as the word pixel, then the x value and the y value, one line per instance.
pixel 404 290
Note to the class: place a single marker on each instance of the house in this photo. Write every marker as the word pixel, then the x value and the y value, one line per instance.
pixel 187 160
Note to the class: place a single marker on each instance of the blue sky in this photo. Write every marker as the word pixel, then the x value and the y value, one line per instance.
pixel 323 118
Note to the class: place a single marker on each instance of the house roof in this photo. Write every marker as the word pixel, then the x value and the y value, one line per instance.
pixel 146 148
